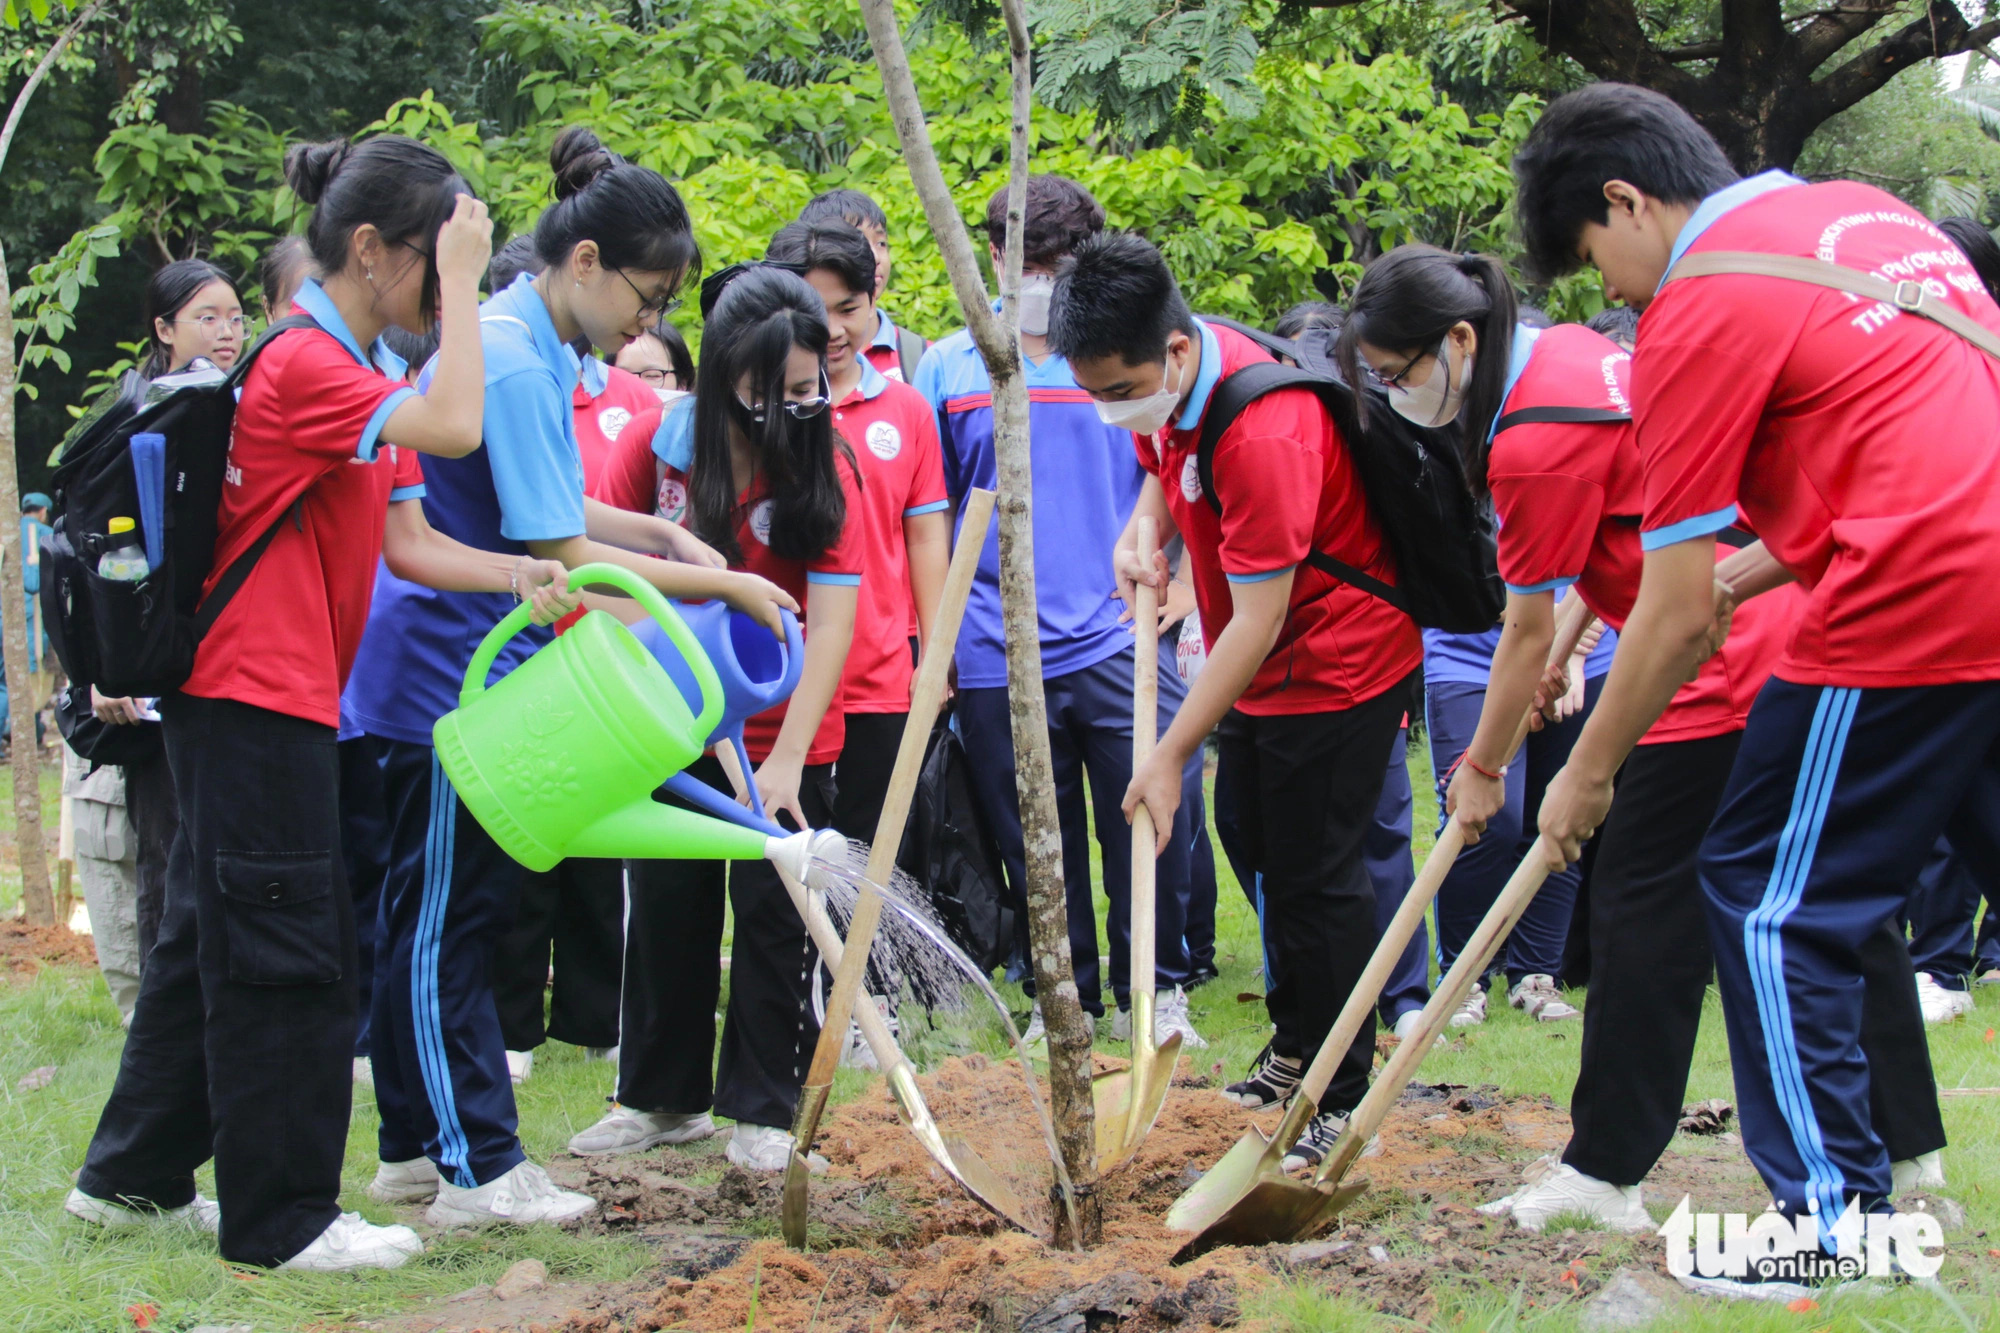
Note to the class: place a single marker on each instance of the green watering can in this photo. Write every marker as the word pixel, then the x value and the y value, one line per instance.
pixel 562 756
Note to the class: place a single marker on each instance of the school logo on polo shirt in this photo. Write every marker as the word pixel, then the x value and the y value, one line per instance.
pixel 760 521
pixel 673 499
pixel 1191 480
pixel 611 421
pixel 884 440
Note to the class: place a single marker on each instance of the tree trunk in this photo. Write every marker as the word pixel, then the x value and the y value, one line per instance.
pixel 37 902
pixel 999 345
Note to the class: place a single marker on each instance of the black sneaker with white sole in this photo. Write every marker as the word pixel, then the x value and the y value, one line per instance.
pixel 1272 1081
pixel 1321 1133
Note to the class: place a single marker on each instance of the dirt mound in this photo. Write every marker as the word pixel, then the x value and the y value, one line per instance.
pixel 936 1261
pixel 25 949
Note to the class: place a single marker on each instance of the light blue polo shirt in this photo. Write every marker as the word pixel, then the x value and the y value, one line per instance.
pixel 1086 480
pixel 524 484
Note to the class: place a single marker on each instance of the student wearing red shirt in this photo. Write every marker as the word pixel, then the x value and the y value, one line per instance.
pixel 904 522
pixel 754 468
pixel 1438 331
pixel 1855 438
pixel 1305 673
pixel 241 1044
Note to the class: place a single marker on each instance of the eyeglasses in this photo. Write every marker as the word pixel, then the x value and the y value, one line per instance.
pixel 1395 381
pixel 652 309
pixel 212 324
pixel 802 409
pixel 654 375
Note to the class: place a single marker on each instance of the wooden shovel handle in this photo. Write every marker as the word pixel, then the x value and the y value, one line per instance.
pixel 926 697
pixel 1145 736
pixel 1444 1002
pixel 1570 627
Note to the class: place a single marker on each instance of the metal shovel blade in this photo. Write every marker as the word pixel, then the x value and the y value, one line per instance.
pixel 797 1193
pixel 1128 1101
pixel 956 1156
pixel 1274 1209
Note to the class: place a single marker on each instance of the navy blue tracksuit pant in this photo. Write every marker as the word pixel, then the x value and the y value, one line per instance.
pixel 364 849
pixel 1090 730
pixel 1940 914
pixel 1837 793
pixel 1451 715
pixel 441 1081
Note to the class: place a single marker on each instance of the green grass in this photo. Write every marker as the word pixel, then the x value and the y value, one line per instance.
pixel 10 863
pixel 55 1275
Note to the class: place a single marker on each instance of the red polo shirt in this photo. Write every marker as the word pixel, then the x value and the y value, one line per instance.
pixel 1287 487
pixel 601 417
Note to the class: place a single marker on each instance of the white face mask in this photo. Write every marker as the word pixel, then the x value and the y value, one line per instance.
pixel 1436 401
pixel 1036 289
pixel 1143 416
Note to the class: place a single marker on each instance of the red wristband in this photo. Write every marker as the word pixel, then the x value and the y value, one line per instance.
pixel 1473 764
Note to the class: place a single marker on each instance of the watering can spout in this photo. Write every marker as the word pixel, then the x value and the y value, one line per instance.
pixel 792 854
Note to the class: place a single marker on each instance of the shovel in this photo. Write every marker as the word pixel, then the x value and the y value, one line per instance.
pixel 926 697
pixel 1247 1192
pixel 1128 1100
pixel 952 1153
pixel 1279 1208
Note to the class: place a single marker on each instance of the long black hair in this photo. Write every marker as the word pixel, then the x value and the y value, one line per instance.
pixel 762 314
pixel 406 189
pixel 168 292
pixel 1971 236
pixel 636 217
pixel 1407 302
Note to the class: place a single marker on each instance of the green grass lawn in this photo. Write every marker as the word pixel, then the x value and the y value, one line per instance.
pixel 57 1275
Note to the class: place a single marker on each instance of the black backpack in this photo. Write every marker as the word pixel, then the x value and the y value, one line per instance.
pixel 1444 540
pixel 140 638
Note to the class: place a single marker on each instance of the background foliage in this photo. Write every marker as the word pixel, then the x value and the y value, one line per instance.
pixel 1269 149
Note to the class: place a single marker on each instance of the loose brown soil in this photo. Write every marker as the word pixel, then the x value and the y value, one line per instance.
pixel 898 1245
pixel 26 949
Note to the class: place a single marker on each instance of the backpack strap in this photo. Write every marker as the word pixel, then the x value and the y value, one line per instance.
pixel 1530 416
pixel 238 573
pixel 1908 295
pixel 909 351
pixel 1226 402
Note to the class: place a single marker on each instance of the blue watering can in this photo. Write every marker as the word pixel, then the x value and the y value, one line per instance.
pixel 756 671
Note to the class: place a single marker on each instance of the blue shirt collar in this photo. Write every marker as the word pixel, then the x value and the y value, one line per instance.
pixel 312 298
pixel 1722 201
pixel 523 302
pixel 885 330
pixel 870 388
pixel 1525 339
pixel 596 375
pixel 1204 381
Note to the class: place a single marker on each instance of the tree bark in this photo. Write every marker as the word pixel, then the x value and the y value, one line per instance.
pixel 999 345
pixel 37 901
pixel 1769 86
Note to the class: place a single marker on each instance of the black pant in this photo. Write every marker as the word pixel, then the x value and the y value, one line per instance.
pixel 364 850
pixel 1306 786
pixel 1650 967
pixel 861 778
pixel 241 1045
pixel 577 913
pixel 673 974
pixel 156 818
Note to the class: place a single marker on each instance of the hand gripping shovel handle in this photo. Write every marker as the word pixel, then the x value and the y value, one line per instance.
pixel 1471 965
pixel 1570 627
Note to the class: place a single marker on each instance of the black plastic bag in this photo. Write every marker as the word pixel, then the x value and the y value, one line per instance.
pixel 950 850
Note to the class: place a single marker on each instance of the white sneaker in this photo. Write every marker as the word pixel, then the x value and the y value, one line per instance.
pixel 624 1130
pixel 1990 977
pixel 1407 1023
pixel 1038 1031
pixel 1472 1009
pixel 404 1182
pixel 608 1054
pixel 364 1072
pixel 1553 1188
pixel 1941 1005
pixel 1919 1173
pixel 859 1054
pixel 766 1148
pixel 1172 1016
pixel 350 1242
pixel 1541 999
pixel 1121 1025
pixel 519 1065
pixel 523 1196
pixel 204 1212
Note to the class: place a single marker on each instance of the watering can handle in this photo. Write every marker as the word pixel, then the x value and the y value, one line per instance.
pixel 654 604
